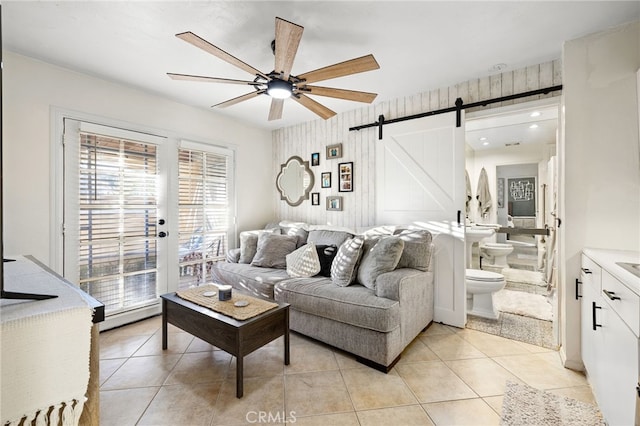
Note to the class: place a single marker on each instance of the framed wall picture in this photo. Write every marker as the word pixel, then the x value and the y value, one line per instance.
pixel 315 198
pixel 334 151
pixel 345 177
pixel 315 159
pixel 325 180
pixel 334 203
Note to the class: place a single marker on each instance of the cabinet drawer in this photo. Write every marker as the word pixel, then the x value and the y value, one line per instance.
pixel 627 307
pixel 590 273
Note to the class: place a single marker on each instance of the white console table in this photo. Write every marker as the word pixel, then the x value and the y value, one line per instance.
pixel 46 349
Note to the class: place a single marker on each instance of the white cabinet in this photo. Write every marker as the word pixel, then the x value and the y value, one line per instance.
pixel 610 320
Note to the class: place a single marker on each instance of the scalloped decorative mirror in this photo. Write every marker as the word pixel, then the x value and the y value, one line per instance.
pixel 295 180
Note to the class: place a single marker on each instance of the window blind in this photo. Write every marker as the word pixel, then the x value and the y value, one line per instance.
pixel 204 210
pixel 117 197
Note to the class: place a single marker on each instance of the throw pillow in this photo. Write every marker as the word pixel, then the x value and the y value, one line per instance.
pixel 303 262
pixel 417 249
pixel 248 246
pixel 343 268
pixel 380 255
pixel 249 243
pixel 273 249
pixel 326 254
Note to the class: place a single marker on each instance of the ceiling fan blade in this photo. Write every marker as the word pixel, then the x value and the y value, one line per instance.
pixel 350 95
pixel 275 113
pixel 314 106
pixel 288 37
pixel 353 66
pixel 193 39
pixel 238 99
pixel 188 77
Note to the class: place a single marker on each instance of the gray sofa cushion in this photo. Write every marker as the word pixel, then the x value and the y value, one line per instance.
pixel 248 279
pixel 355 305
pixel 273 249
pixel 417 249
pixel 328 237
pixel 296 229
pixel 379 255
pixel 343 268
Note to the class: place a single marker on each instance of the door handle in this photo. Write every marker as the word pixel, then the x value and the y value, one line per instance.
pixel 611 295
pixel 586 271
pixel 578 295
pixel 459 216
pixel 593 311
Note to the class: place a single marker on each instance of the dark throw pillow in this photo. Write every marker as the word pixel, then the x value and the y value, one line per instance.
pixel 326 253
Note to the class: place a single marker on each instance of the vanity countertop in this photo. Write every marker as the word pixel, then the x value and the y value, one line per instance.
pixel 607 260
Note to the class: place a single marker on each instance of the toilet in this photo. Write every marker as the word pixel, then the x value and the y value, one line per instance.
pixel 499 252
pixel 481 285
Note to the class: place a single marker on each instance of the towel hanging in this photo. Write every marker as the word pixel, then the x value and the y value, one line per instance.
pixel 482 194
pixel 469 195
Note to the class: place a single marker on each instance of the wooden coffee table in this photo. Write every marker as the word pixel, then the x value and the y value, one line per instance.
pixel 238 338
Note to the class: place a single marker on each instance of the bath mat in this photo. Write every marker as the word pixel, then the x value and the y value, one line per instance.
pixel 524 276
pixel 521 303
pixel 526 406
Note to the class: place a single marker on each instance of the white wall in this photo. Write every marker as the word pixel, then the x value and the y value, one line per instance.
pixel 359 146
pixel 31 88
pixel 600 204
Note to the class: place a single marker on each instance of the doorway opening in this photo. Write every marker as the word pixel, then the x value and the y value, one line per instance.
pixel 517 147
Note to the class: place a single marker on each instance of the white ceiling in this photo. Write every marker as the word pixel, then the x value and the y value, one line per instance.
pixel 526 126
pixel 420 45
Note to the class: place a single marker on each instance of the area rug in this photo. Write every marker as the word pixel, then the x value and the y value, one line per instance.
pixel 522 303
pixel 526 406
pixel 524 276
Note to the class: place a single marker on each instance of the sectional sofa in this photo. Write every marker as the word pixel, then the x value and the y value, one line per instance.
pixel 368 293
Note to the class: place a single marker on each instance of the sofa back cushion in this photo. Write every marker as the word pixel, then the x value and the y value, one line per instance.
pixel 417 249
pixel 273 249
pixel 328 237
pixel 379 255
pixel 343 267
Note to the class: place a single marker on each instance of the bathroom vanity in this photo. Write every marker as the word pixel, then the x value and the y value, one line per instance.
pixel 610 328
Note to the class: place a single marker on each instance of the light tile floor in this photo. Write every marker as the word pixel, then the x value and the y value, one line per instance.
pixel 447 376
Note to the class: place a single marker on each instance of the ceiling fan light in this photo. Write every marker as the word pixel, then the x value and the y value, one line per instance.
pixel 279 89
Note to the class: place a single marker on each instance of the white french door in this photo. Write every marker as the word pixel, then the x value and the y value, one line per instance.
pixel 114 205
pixel 420 181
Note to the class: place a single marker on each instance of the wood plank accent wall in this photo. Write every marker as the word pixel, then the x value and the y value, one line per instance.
pixel 359 146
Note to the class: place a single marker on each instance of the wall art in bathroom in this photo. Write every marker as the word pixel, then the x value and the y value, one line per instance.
pixel 522 196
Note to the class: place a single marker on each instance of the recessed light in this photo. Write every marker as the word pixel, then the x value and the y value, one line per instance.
pixel 533 126
pixel 535 114
pixel 485 143
pixel 483 138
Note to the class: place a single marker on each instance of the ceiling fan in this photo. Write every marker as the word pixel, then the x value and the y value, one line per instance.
pixel 280 84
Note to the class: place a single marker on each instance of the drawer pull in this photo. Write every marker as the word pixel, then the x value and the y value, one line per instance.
pixel 586 271
pixel 611 295
pixel 578 295
pixel 593 311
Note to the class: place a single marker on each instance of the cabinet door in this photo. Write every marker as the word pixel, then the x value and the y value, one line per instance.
pixel 618 369
pixel 592 340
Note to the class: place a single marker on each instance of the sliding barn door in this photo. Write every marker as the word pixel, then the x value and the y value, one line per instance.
pixel 420 181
